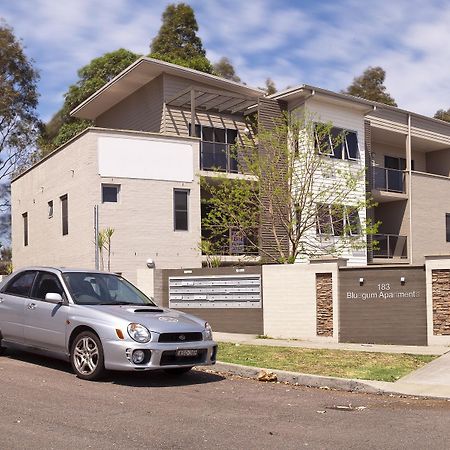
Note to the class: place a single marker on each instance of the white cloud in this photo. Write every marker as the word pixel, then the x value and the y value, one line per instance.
pixel 325 43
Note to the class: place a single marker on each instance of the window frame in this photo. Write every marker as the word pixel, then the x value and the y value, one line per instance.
pixel 26 236
pixel 344 148
pixel 447 226
pixel 64 199
pixel 117 187
pixel 346 227
pixel 175 210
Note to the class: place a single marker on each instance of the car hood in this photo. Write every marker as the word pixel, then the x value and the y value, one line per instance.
pixel 160 320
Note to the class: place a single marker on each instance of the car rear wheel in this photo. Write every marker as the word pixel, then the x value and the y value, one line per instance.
pixel 86 356
pixel 177 371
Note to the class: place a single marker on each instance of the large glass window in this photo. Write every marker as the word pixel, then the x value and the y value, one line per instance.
pixel 338 143
pixel 337 220
pixel 180 204
pixel 216 152
pixel 64 214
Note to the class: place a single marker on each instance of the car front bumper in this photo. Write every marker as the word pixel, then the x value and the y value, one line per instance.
pixel 118 355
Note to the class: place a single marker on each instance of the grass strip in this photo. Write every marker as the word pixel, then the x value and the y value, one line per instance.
pixel 334 363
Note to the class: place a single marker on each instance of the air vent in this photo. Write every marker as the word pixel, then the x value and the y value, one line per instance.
pixel 144 310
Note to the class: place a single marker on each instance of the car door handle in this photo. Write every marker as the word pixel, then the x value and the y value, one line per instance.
pixel 31 306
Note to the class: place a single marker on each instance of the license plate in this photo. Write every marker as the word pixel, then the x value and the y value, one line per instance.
pixel 187 352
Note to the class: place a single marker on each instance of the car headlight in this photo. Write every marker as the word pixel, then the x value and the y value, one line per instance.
pixel 139 333
pixel 208 335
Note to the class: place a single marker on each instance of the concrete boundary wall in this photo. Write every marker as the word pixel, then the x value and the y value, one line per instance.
pixel 290 305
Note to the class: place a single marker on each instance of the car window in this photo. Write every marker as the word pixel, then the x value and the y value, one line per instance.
pixel 21 284
pixel 95 288
pixel 47 283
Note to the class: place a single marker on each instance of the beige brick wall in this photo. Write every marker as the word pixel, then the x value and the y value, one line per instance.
pixel 72 171
pixel 142 219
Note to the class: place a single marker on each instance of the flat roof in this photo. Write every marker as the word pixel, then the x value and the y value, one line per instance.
pixel 140 73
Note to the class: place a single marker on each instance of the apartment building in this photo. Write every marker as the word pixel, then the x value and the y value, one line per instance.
pixel 160 127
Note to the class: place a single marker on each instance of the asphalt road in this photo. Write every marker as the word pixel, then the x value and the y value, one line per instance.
pixel 43 405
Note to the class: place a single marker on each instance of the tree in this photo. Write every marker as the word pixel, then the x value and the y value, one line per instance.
pixel 270 86
pixel 443 115
pixel 18 119
pixel 293 182
pixel 223 68
pixel 177 41
pixel 370 86
pixel 92 77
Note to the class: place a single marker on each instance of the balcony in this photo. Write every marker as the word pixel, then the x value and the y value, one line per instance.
pixel 388 184
pixel 218 157
pixel 390 247
pixel 230 243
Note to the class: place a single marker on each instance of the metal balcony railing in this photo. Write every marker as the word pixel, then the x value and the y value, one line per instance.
pixel 390 180
pixel 390 246
pixel 217 156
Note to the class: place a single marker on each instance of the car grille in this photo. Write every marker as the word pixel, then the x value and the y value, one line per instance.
pixel 170 358
pixel 180 337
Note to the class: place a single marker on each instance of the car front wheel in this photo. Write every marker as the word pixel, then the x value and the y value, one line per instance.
pixel 86 356
pixel 2 349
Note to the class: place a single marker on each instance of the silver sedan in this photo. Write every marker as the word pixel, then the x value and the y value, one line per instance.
pixel 99 321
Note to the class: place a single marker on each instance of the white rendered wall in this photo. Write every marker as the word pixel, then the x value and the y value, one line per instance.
pixel 131 157
pixel 345 117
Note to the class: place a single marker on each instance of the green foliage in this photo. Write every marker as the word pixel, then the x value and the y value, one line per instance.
pixel 62 127
pixel 177 41
pixel 224 68
pixel 18 101
pixel 104 243
pixel 370 86
pixel 443 115
pixel 286 167
pixel 334 363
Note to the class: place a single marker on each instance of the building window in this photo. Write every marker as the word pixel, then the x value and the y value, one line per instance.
pixel 337 220
pixel 110 193
pixel 338 143
pixel 50 209
pixel 216 152
pixel 394 162
pixel 65 214
pixel 447 226
pixel 180 206
pixel 25 229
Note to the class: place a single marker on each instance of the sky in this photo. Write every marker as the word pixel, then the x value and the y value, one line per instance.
pixel 324 43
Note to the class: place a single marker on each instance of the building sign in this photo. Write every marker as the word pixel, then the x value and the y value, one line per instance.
pixel 383 305
pixel 385 291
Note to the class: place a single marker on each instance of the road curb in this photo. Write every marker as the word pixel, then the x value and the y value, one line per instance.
pixel 323 382
pixel 283 376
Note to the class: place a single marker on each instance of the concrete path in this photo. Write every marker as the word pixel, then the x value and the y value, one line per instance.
pixel 432 380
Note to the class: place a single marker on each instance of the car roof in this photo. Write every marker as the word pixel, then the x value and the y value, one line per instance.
pixel 57 270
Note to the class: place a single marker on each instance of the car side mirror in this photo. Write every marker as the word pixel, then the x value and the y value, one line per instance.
pixel 53 297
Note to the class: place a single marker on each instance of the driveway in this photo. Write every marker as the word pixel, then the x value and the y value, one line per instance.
pixel 43 405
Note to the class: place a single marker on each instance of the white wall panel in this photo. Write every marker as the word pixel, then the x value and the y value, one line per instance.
pixel 145 159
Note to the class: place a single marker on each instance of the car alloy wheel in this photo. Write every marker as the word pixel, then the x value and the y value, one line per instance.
pixel 86 356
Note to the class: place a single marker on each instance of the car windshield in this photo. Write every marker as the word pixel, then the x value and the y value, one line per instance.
pixel 94 288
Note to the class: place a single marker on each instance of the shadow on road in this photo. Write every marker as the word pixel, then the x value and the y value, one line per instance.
pixel 157 378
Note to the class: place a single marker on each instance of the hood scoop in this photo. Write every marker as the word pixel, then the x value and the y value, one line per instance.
pixel 148 310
